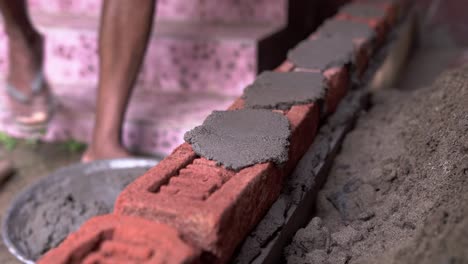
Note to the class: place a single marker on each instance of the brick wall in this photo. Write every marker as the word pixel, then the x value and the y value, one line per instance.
pixel 187 209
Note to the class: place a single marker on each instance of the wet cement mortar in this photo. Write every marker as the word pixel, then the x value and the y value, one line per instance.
pixel 322 53
pixel 277 90
pixel 60 207
pixel 398 191
pixel 236 139
pixel 363 10
pixel 345 28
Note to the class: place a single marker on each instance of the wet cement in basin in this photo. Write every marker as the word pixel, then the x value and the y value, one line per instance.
pixel 43 215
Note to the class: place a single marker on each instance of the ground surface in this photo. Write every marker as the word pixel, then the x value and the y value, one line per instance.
pixel 33 161
pixel 398 191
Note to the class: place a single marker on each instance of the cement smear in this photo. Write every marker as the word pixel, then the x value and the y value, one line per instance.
pixel 276 90
pixel 322 53
pixel 352 30
pixel 241 138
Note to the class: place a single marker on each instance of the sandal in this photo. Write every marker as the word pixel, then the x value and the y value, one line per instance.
pixel 32 112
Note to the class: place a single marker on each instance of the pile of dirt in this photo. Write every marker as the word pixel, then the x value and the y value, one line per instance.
pixel 398 192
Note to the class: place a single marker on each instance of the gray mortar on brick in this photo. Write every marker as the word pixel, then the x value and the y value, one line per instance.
pixel 242 138
pixel 279 90
pixel 322 53
pixel 348 29
pixel 363 10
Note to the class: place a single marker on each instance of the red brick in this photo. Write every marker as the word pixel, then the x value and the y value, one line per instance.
pixel 238 104
pixel 196 181
pixel 218 219
pixel 304 120
pixel 363 51
pixel 285 67
pixel 338 80
pixel 122 239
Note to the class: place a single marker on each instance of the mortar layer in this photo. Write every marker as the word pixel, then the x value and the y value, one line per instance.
pixel 282 90
pixel 322 53
pixel 349 29
pixel 241 138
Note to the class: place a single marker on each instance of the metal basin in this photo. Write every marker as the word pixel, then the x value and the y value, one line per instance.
pixel 44 213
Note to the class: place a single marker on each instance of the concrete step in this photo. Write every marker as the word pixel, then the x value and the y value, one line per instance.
pixel 208 57
pixel 227 11
pixel 155 122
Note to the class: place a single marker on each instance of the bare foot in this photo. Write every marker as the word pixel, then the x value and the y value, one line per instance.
pixel 108 151
pixel 25 60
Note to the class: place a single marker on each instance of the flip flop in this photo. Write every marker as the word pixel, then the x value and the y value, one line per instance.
pixel 36 120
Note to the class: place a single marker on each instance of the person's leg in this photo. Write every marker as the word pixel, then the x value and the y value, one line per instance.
pixel 25 55
pixel 125 30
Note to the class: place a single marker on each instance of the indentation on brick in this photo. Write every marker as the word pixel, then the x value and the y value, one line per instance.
pixel 196 181
pixel 122 239
pixel 236 139
pixel 276 90
pixel 322 53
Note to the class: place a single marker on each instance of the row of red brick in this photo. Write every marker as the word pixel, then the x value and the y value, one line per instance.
pixel 187 209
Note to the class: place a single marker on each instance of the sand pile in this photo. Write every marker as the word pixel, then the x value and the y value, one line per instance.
pixel 398 192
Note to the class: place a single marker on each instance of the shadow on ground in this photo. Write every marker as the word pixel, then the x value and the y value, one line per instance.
pixel 33 161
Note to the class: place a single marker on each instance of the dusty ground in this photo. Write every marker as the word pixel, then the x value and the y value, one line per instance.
pixel 398 191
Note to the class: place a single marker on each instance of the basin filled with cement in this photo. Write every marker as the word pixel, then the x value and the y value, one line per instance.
pixel 45 213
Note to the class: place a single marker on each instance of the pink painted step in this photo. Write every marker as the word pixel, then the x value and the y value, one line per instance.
pixel 181 56
pixel 155 121
pixel 226 11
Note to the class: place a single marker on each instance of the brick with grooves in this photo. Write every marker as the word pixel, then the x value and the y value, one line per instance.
pixel 122 239
pixel 210 205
